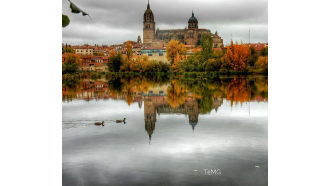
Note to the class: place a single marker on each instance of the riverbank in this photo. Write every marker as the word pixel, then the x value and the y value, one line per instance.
pixel 107 75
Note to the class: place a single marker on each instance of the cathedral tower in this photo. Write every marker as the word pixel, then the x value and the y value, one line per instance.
pixel 149 116
pixel 148 26
pixel 193 22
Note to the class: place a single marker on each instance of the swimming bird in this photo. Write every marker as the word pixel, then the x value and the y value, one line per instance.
pixel 121 121
pixel 99 123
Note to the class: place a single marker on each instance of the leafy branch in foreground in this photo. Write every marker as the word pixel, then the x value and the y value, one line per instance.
pixel 65 20
pixel 74 9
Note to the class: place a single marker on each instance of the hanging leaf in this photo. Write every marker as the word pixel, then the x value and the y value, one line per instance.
pixel 75 9
pixel 65 20
pixel 84 13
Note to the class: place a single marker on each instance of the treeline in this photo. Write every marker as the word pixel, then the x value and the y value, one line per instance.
pixel 234 59
pixel 141 64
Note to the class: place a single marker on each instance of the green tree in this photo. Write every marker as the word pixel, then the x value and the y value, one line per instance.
pixel 264 51
pixel 115 62
pixel 254 57
pixel 207 45
pixel 212 65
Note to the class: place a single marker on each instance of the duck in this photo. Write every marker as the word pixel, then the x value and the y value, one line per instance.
pixel 121 121
pixel 99 123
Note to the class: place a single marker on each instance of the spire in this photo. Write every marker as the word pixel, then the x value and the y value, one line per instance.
pixel 148 7
pixel 216 32
pixel 139 41
pixel 192 13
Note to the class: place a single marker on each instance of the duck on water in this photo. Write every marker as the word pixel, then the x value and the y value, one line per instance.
pixel 121 121
pixel 99 123
pixel 117 121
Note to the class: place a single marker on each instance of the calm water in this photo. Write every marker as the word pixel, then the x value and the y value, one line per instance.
pixel 177 132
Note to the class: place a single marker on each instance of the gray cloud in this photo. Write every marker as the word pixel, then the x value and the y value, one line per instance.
pixel 114 21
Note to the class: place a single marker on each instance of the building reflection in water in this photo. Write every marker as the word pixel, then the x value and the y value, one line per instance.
pixel 155 104
pixel 170 97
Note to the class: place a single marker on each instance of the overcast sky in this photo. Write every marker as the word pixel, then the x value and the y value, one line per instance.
pixel 115 21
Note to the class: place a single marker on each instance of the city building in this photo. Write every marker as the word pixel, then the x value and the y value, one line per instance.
pixel 83 50
pixel 155 53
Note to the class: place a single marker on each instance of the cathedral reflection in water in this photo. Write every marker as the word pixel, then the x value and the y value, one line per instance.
pixel 156 104
pixel 170 97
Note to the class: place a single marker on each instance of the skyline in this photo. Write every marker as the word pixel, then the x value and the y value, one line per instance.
pixel 116 21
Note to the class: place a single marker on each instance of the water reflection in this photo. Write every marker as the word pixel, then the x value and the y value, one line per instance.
pixel 177 95
pixel 160 109
pixel 172 92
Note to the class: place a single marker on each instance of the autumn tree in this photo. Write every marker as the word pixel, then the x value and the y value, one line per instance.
pixel 175 52
pixel 262 63
pixel 112 53
pixel 71 63
pixel 237 56
pixel 129 51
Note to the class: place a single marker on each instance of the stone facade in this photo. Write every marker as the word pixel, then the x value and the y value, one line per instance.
pixel 84 51
pixel 187 36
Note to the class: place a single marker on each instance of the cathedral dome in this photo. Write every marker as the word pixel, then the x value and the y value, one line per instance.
pixel 193 19
pixel 192 22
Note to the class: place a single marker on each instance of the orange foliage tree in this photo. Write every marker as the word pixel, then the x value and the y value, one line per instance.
pixel 129 51
pixel 112 53
pixel 262 63
pixel 175 52
pixel 237 56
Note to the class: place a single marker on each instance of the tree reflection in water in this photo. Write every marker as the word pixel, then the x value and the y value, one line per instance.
pixel 175 90
pixel 162 95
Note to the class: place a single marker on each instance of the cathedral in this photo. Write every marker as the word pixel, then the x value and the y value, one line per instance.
pixel 187 36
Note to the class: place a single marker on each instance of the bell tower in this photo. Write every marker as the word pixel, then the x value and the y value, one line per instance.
pixel 148 25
